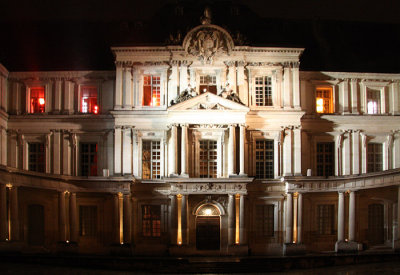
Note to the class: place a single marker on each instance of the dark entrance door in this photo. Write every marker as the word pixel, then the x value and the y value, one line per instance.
pixel 375 224
pixel 208 233
pixel 35 224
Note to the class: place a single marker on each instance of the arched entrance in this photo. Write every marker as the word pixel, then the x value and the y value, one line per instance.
pixel 208 227
pixel 375 224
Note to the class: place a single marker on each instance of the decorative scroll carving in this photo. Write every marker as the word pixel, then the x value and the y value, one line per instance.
pixel 228 93
pixel 186 94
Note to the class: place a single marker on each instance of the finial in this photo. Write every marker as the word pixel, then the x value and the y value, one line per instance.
pixel 206 18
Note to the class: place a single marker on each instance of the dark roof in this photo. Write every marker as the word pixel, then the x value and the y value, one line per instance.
pixel 330 45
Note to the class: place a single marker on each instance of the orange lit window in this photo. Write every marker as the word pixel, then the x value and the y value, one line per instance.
pixel 89 100
pixel 151 91
pixel 37 100
pixel 324 103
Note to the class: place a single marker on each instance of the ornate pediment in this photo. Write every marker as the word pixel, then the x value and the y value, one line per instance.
pixel 207 41
pixel 208 101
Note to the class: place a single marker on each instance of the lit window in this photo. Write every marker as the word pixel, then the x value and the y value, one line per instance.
pixel 325 219
pixel 265 220
pixel 324 100
pixel 89 100
pixel 37 100
pixel 36 157
pixel 151 160
pixel 151 220
pixel 264 159
pixel 151 91
pixel 208 83
pixel 374 161
pixel 88 157
pixel 263 91
pixel 87 221
pixel 373 102
pixel 208 159
pixel 325 159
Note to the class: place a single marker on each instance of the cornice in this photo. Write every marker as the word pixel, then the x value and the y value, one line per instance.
pixel 62 75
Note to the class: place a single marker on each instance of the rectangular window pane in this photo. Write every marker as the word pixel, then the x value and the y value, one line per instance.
pixel 88 159
pixel 263 91
pixel 373 102
pixel 325 159
pixel 87 220
pixel 151 159
pixel 375 157
pixel 208 159
pixel 325 219
pixel 151 90
pixel 151 220
pixel 265 220
pixel 37 100
pixel 36 158
pixel 264 159
pixel 324 102
pixel 89 100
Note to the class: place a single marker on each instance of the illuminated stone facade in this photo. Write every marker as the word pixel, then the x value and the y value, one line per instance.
pixel 204 148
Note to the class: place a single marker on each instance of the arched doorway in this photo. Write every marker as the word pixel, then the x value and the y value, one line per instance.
pixel 375 224
pixel 36 225
pixel 208 227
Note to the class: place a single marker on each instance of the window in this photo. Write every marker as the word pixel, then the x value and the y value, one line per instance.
pixel 37 100
pixel 151 91
pixel 325 219
pixel 324 103
pixel 151 160
pixel 151 220
pixel 325 159
pixel 36 157
pixel 374 160
pixel 208 83
pixel 88 156
pixel 208 159
pixel 264 159
pixel 263 91
pixel 265 220
pixel 89 100
pixel 87 220
pixel 373 102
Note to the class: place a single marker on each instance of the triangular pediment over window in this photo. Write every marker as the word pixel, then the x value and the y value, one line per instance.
pixel 208 101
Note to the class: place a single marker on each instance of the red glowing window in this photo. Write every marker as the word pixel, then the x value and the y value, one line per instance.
pixel 37 100
pixel 151 91
pixel 89 100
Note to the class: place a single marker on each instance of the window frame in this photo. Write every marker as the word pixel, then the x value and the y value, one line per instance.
pixel 273 158
pixel 81 90
pixel 151 160
pixel 322 222
pixel 95 220
pixel 258 220
pixel 151 234
pixel 374 162
pixel 29 98
pixel 209 160
pixel 151 89
pixel 36 164
pixel 81 143
pixel 254 92
pixel 332 143
pixel 214 83
pixel 332 102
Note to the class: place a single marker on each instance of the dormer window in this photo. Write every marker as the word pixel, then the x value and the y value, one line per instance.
pixel 208 83
pixel 151 91
pixel 37 100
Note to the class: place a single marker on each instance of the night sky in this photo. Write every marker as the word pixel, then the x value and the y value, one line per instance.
pixel 338 35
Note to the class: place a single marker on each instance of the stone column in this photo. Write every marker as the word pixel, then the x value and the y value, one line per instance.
pixel 231 151
pixel 242 149
pixel 340 227
pixel 231 219
pixel 297 150
pixel 117 151
pixel 62 217
pixel 14 214
pixel 296 85
pixel 173 150
pixel 126 164
pixel 3 212
pixel 57 158
pixel 184 157
pixel 395 97
pixel 356 151
pixel 184 219
pixel 344 96
pixel 242 230
pixel 173 216
pixel 287 153
pixel 354 96
pixel 299 217
pixel 346 154
pixel 115 222
pixel 127 92
pixel 289 218
pixel 352 216
pixel 73 218
pixel 127 213
pixel 118 87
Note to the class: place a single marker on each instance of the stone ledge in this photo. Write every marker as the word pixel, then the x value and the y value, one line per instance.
pixel 292 249
pixel 347 247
